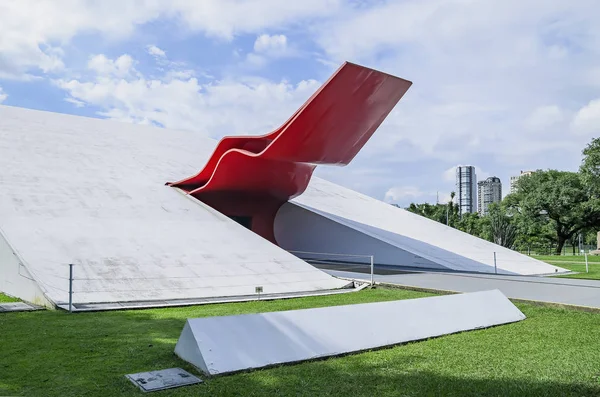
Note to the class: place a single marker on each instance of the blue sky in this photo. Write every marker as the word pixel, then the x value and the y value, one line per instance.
pixel 504 85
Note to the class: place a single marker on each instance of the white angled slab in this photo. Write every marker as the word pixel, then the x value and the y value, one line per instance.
pixel 218 345
pixel 331 218
pixel 92 192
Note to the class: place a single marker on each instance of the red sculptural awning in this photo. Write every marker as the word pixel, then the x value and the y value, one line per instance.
pixel 329 128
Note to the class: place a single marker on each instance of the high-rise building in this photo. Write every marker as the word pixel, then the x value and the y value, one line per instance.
pixel 489 191
pixel 514 179
pixel 466 188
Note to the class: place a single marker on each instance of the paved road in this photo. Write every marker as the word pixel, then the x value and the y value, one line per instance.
pixel 543 289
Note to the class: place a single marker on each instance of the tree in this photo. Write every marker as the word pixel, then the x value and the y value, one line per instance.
pixel 590 237
pixel 452 216
pixel 561 198
pixel 533 233
pixel 501 227
pixel 590 172
pixel 429 211
pixel 443 213
pixel 471 223
pixel 590 166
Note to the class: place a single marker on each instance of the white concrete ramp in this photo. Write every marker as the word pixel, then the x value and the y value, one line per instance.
pixel 220 345
pixel 92 193
pixel 330 218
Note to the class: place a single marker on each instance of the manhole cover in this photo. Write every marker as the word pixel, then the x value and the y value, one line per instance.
pixel 163 379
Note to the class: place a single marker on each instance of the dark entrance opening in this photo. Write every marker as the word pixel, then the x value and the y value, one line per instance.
pixel 245 221
pixel 254 211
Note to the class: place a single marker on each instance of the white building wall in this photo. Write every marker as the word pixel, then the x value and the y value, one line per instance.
pixel 413 233
pixel 224 344
pixel 92 193
pixel 15 279
pixel 298 229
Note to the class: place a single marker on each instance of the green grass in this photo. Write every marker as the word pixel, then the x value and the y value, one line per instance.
pixel 554 352
pixel 576 264
pixel 5 298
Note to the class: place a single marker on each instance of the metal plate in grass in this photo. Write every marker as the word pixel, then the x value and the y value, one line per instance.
pixel 163 379
pixel 17 307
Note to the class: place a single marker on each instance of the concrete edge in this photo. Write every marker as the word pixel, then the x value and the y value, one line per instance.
pixel 555 305
pixel 359 286
pixel 19 307
pixel 356 352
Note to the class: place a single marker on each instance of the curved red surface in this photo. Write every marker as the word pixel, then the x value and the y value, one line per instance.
pixel 329 128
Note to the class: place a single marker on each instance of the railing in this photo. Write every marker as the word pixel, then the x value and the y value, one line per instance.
pixel 335 261
pixel 326 256
pixel 78 284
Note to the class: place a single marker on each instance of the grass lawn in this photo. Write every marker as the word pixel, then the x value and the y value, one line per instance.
pixel 576 264
pixel 555 352
pixel 5 299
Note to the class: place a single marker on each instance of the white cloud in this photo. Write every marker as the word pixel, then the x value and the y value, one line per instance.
pixel 404 195
pixel 543 118
pixel 444 197
pixel 432 24
pixel 226 18
pixel 400 193
pixel 256 60
pixel 155 51
pixel 476 66
pixel 3 95
pixel 268 47
pixel 587 119
pixel 485 73
pixel 76 102
pixel 182 74
pixel 120 67
pixel 179 101
pixel 449 175
pixel 33 32
pixel 593 77
pixel 270 44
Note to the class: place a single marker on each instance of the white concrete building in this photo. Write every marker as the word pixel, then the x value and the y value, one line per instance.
pixel 92 193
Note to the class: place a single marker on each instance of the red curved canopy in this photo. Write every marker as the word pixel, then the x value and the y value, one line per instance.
pixel 329 128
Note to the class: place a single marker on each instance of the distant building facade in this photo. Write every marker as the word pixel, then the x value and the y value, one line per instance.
pixel 489 191
pixel 466 189
pixel 514 179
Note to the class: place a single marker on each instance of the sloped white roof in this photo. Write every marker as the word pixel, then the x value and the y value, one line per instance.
pixel 92 192
pixel 426 238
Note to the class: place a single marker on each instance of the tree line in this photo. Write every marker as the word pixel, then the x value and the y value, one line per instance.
pixel 548 209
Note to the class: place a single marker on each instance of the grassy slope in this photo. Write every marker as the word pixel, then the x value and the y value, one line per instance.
pixel 576 264
pixel 4 298
pixel 555 352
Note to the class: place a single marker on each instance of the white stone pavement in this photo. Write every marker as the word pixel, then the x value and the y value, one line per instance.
pixel 576 292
